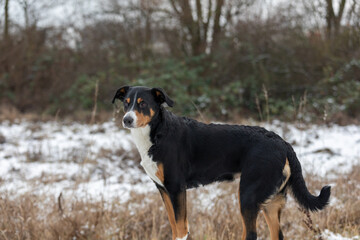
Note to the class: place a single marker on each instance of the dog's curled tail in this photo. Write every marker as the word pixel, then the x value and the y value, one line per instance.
pixel 299 189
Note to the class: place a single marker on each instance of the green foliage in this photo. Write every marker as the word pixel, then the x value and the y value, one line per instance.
pixel 81 93
pixel 182 79
pixel 344 87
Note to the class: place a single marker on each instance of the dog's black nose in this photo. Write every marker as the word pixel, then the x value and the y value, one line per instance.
pixel 128 121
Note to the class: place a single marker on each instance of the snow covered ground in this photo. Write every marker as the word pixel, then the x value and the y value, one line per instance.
pixel 322 150
pixel 94 161
pixel 97 161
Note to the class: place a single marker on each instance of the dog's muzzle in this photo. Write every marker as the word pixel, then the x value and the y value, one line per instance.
pixel 129 120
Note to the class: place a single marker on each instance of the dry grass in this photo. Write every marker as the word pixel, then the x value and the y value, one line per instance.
pixel 144 217
pixel 10 113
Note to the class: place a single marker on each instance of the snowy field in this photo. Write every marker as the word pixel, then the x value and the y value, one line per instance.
pixel 100 161
pixel 56 158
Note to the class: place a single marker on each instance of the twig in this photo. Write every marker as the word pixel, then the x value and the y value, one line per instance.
pixel 93 114
pixel 310 225
pixel 4 235
pixel 295 108
pixel 198 110
pixel 325 115
pixel 258 107
pixel 57 114
pixel 61 210
pixel 267 103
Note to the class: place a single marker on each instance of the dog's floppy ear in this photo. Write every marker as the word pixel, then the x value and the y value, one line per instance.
pixel 120 93
pixel 162 97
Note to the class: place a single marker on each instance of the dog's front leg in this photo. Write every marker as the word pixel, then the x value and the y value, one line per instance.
pixel 175 204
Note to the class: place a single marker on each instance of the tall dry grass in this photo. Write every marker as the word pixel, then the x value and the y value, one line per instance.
pixel 143 217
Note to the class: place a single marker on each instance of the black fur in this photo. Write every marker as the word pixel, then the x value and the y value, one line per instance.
pixel 120 93
pixel 299 189
pixel 194 153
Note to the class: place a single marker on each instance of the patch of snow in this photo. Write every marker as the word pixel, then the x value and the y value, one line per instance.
pixel 328 235
pixel 321 150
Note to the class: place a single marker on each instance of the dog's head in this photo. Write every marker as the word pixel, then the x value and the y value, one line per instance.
pixel 141 104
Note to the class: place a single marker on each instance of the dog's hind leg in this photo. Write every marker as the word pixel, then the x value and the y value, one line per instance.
pixel 243 236
pixel 249 207
pixel 175 204
pixel 249 216
pixel 272 210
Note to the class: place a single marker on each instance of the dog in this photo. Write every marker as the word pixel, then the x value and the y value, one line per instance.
pixel 179 153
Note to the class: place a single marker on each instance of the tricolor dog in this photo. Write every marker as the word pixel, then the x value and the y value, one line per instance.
pixel 180 153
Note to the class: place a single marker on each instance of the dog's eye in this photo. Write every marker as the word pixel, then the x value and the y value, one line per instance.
pixel 142 104
pixel 126 104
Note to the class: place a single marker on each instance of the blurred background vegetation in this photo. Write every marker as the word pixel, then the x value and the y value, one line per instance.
pixel 221 59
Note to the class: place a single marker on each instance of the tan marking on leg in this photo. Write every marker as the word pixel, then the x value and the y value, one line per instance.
pixel 160 172
pixel 243 236
pixel 179 226
pixel 286 173
pixel 182 228
pixel 170 212
pixel 271 211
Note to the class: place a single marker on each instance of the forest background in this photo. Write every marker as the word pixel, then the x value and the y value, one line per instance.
pixel 218 59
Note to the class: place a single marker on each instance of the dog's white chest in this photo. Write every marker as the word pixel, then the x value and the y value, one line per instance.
pixel 141 137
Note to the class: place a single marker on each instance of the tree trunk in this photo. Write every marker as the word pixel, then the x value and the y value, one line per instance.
pixel 196 24
pixel 216 28
pixel 329 18
pixel 6 28
pixel 338 18
pixel 333 21
pixel 6 46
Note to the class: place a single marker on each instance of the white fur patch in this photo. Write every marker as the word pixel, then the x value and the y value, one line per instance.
pixel 141 138
pixel 184 238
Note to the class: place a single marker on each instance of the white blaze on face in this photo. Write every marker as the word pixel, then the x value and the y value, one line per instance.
pixel 141 138
pixel 131 114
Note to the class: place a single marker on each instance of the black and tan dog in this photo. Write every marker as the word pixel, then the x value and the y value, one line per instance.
pixel 180 153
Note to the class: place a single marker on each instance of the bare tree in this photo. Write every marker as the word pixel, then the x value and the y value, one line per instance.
pixel 193 27
pixel 35 10
pixel 353 15
pixel 25 6
pixel 333 20
pixel 197 27
pixel 205 21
